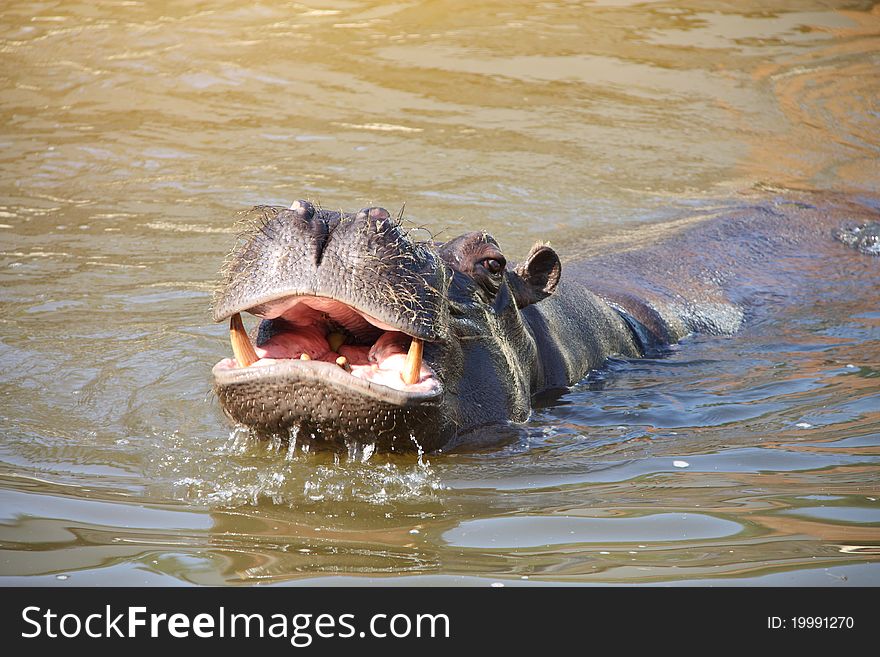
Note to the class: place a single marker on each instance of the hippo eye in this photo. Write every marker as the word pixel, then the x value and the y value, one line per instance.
pixel 493 265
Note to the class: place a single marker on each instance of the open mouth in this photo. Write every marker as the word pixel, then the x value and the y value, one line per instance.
pixel 323 338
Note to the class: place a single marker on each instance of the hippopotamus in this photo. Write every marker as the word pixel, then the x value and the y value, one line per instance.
pixel 367 333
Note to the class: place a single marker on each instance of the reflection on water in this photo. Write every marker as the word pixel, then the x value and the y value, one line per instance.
pixel 828 97
pixel 534 531
pixel 133 133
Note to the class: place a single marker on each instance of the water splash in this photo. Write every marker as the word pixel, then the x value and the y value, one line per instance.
pixel 244 470
pixel 291 444
pixel 358 451
pixel 423 463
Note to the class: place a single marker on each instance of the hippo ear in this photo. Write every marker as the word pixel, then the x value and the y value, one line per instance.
pixel 537 277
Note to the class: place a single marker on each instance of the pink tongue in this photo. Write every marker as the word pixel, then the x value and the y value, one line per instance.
pixel 287 344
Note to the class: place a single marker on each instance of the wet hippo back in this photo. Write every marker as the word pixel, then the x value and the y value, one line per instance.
pixel 710 275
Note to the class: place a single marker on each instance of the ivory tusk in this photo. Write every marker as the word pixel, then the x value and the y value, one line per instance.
pixel 413 366
pixel 241 343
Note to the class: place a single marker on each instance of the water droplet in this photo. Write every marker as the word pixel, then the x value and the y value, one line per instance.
pixel 368 452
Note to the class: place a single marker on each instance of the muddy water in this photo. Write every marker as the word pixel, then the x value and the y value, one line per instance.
pixel 133 132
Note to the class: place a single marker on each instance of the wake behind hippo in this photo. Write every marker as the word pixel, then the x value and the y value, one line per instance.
pixel 368 334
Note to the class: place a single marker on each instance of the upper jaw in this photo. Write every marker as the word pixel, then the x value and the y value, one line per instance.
pixel 358 318
pixel 366 261
pixel 275 304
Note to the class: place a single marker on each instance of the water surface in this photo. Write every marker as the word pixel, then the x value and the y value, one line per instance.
pixel 133 133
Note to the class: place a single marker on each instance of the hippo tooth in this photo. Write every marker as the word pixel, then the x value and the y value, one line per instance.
pixel 413 365
pixel 241 343
pixel 342 361
pixel 304 356
pixel 335 340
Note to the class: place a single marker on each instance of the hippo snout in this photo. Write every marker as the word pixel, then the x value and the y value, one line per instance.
pixel 352 311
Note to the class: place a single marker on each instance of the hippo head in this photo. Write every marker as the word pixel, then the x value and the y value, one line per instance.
pixel 370 335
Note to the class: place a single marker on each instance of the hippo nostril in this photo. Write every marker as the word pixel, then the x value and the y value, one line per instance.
pixel 376 214
pixel 379 214
pixel 378 220
pixel 373 213
pixel 303 209
pixel 316 227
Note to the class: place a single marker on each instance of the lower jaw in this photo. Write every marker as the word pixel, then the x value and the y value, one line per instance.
pixel 330 418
